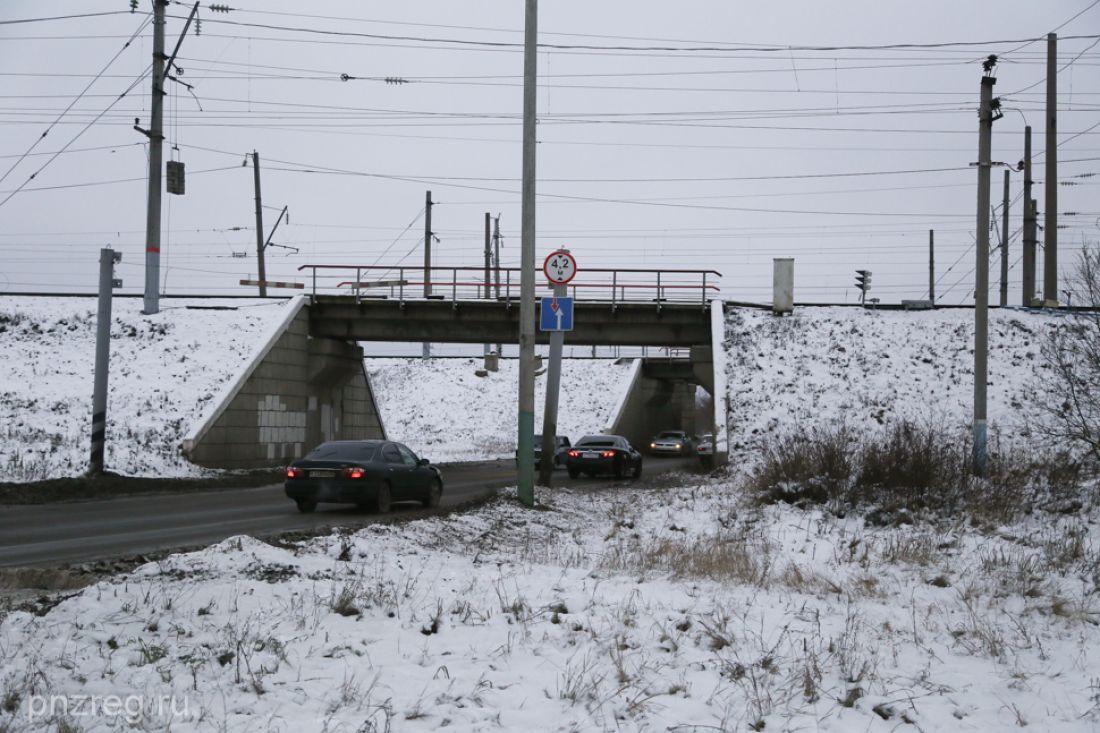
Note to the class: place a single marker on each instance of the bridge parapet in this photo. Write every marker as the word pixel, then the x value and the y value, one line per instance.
pixel 614 285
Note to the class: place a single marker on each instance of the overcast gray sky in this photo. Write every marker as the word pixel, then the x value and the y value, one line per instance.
pixel 705 134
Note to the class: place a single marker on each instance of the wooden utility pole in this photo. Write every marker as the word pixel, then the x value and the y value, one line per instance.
pixel 1050 229
pixel 526 421
pixel 981 284
pixel 1030 226
pixel 1004 245
pixel 156 144
pixel 262 272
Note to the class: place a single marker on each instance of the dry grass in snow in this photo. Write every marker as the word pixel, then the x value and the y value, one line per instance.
pixel 639 609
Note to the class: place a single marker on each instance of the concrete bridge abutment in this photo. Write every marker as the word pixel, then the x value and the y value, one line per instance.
pixel 296 392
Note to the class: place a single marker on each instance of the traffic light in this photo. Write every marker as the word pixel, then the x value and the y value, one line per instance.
pixel 863 282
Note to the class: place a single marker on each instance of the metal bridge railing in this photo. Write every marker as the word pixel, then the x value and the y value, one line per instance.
pixel 613 285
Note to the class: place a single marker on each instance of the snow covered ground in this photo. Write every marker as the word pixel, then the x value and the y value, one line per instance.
pixel 623 609
pixel 448 413
pixel 672 605
pixel 865 368
pixel 166 368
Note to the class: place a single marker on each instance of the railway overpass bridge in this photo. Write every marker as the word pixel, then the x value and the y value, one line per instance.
pixel 308 382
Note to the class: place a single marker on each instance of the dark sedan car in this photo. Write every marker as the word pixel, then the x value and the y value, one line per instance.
pixel 370 473
pixel 612 454
pixel 561 445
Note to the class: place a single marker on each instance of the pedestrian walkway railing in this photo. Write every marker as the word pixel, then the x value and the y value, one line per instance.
pixel 612 285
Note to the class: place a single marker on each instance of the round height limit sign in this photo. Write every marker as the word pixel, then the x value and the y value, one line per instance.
pixel 559 267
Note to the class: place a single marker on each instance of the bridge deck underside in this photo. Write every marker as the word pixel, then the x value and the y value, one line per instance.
pixel 487 321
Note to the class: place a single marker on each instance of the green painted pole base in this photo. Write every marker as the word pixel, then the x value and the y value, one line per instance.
pixel 527 458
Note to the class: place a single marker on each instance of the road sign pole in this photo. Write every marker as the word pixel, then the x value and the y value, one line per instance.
pixel 553 383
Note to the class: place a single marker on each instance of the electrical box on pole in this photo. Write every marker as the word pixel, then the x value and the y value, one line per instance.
pixel 174 177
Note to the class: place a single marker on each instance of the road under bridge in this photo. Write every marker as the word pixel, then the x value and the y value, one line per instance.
pixel 308 383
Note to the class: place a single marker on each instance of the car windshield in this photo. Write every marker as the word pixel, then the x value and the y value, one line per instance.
pixel 671 435
pixel 343 451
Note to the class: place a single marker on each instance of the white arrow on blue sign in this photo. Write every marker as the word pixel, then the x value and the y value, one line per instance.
pixel 556 314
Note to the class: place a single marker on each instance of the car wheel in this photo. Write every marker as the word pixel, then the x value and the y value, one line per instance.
pixel 383 498
pixel 637 469
pixel 306 507
pixel 435 493
pixel 573 473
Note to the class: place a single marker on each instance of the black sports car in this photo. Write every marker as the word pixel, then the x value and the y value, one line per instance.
pixel 370 473
pixel 612 454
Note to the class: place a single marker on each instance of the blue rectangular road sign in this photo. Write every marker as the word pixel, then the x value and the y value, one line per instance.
pixel 556 319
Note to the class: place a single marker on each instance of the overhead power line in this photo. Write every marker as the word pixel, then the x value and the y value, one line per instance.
pixel 76 99
pixel 730 47
pixel 20 21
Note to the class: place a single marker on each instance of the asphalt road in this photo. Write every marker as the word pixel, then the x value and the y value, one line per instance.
pixel 75 532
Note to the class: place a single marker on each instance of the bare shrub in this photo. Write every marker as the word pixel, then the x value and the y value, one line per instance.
pixel 812 465
pixel 1069 396
pixel 910 470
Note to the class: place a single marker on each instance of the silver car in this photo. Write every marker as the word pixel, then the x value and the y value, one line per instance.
pixel 671 443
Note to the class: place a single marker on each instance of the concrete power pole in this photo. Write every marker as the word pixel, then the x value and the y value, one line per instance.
pixel 1050 229
pixel 981 284
pixel 526 437
pixel 107 259
pixel 1004 245
pixel 1030 225
pixel 427 347
pixel 262 271
pixel 488 259
pixel 496 266
pixel 932 266
pixel 156 143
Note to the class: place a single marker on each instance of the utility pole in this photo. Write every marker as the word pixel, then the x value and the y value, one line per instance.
pixel 156 144
pixel 526 437
pixel 259 225
pixel 488 258
pixel 981 285
pixel 1050 229
pixel 1030 225
pixel 1004 245
pixel 932 266
pixel 107 282
pixel 496 265
pixel 427 347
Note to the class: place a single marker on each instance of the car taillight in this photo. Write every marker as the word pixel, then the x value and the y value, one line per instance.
pixel 294 473
pixel 608 454
pixel 574 454
pixel 354 472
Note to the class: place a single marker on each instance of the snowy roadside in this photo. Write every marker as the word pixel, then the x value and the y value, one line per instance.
pixel 623 609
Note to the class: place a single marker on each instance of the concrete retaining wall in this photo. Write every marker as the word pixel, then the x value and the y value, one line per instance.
pixel 653 405
pixel 297 392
